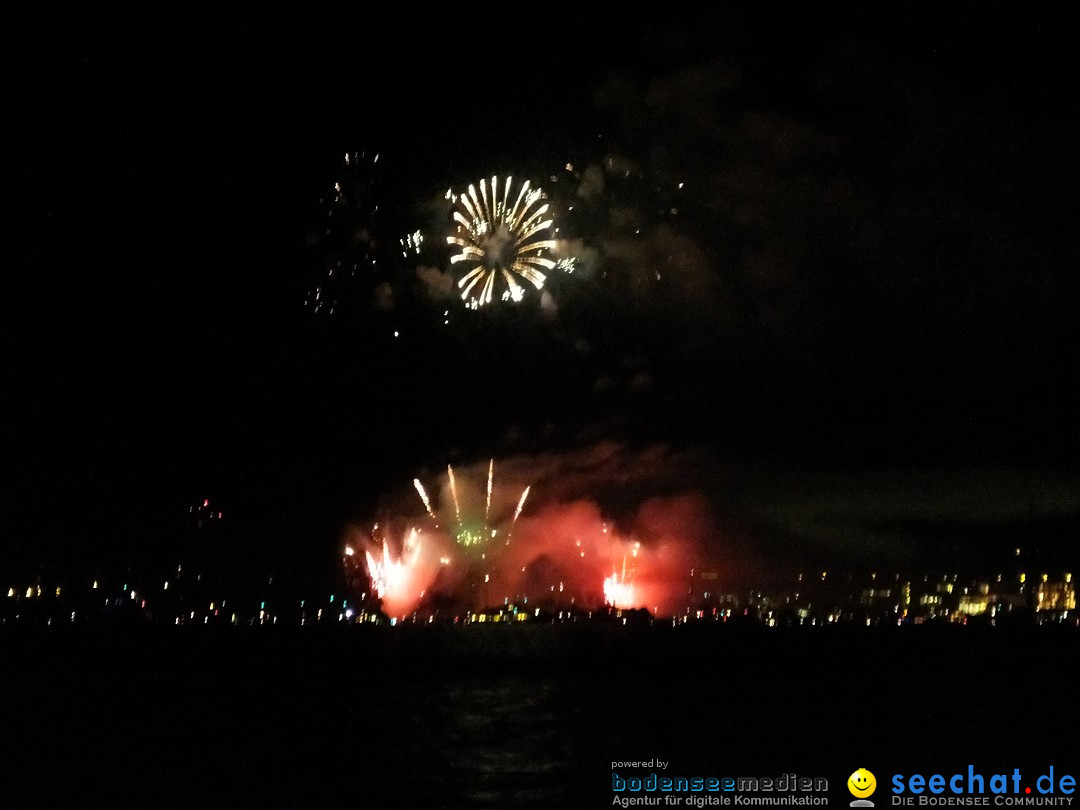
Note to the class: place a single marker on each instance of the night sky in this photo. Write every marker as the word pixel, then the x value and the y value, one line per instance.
pixel 869 266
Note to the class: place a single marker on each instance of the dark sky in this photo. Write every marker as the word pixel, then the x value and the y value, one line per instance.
pixel 872 261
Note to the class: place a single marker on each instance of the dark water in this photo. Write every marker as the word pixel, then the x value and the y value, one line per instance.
pixel 512 716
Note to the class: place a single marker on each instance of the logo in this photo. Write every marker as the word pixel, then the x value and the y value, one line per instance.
pixel 971 788
pixel 861 784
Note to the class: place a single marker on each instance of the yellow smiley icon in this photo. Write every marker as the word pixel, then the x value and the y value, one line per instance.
pixel 861 783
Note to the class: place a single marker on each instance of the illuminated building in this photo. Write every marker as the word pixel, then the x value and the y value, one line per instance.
pixel 973 605
pixel 876 596
pixel 1056 597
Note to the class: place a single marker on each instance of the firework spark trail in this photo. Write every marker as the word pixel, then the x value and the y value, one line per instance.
pixel 423 496
pixel 453 492
pixel 491 472
pixel 521 503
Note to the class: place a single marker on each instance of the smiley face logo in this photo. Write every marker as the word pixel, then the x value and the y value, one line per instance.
pixel 861 783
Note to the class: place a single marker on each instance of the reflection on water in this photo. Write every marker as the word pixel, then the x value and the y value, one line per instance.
pixel 524 720
pixel 483 742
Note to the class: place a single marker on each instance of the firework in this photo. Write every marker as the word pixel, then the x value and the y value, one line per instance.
pixel 521 503
pixel 410 243
pixel 467 530
pixel 471 536
pixel 619 587
pixel 487 506
pixel 559 554
pixel 618 593
pixel 501 242
pixel 345 268
pixel 453 492
pixel 423 496
pixel 394 580
pixel 517 512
